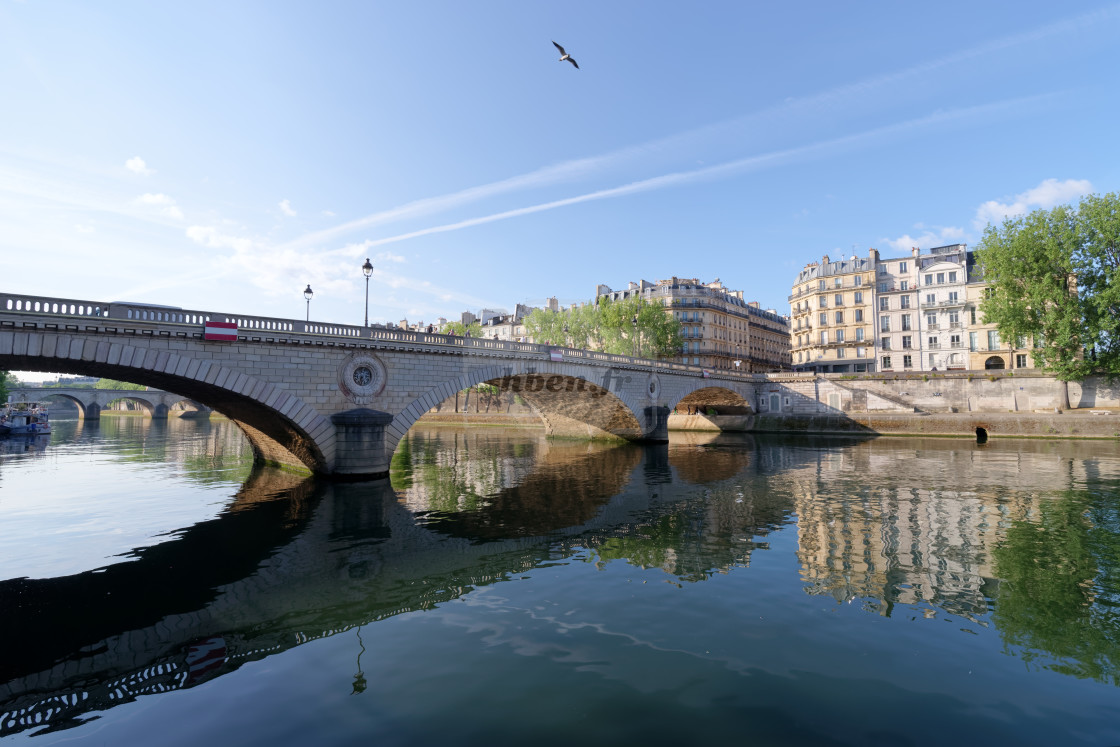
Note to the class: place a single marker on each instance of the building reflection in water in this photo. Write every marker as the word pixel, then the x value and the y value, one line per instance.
pixel 925 523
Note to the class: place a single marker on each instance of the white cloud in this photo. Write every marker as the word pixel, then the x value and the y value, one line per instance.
pixel 84 229
pixel 137 166
pixel 286 206
pixel 209 236
pixel 166 204
pixel 1046 195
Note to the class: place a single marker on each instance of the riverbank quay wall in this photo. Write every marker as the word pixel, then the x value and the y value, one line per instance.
pixel 1000 403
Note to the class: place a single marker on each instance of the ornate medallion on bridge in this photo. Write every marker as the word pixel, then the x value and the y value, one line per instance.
pixel 361 378
pixel 653 386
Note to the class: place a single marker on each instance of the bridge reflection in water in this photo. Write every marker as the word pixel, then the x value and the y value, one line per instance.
pixel 294 559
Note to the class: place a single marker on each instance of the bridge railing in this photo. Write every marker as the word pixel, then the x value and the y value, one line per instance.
pixel 15 303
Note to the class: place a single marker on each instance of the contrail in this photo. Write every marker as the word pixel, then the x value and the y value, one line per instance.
pixel 584 167
pixel 751 163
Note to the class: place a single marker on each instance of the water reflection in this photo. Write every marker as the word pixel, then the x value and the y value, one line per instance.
pixel 1022 536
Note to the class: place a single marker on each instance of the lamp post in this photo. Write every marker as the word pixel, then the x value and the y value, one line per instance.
pixel 308 293
pixel 638 335
pixel 367 270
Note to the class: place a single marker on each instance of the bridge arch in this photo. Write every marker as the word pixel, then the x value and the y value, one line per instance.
pixel 703 396
pixel 280 426
pixel 570 404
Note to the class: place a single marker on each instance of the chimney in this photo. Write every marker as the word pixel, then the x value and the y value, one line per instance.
pixel 915 251
pixel 825 260
pixel 873 253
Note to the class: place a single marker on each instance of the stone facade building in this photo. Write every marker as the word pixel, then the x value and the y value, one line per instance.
pixel 901 314
pixel 720 329
pixel 833 315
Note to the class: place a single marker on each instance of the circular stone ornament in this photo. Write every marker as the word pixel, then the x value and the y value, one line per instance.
pixel 653 387
pixel 361 378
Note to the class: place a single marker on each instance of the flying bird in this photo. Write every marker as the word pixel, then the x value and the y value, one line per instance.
pixel 564 55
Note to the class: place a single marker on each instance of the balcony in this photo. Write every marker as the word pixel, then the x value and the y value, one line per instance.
pixel 943 304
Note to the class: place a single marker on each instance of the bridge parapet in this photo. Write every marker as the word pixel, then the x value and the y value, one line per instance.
pixel 284 381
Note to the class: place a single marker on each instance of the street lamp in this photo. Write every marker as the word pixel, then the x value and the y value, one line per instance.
pixel 638 334
pixel 367 270
pixel 308 293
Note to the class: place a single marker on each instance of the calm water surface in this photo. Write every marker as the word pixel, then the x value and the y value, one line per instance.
pixel 154 588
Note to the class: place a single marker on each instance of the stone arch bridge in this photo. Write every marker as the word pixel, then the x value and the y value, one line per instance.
pixel 155 403
pixel 336 399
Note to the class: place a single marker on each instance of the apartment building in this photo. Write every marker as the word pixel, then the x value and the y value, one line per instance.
pixel 900 314
pixel 832 309
pixel 720 329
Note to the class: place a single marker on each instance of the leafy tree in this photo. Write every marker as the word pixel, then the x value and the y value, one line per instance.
pixel 630 327
pixel 114 384
pixel 1054 277
pixel 7 382
pixel 460 329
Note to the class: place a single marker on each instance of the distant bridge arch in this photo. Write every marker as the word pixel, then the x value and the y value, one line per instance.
pixel 155 403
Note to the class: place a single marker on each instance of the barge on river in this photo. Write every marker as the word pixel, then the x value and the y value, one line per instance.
pixel 24 419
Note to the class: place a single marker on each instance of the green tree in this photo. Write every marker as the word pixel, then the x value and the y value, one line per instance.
pixel 629 327
pixel 1054 278
pixel 460 329
pixel 7 382
pixel 114 384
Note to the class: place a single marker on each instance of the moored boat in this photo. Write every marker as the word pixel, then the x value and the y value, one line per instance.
pixel 24 419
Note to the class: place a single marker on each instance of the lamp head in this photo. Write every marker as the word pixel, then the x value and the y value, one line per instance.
pixel 367 268
pixel 307 292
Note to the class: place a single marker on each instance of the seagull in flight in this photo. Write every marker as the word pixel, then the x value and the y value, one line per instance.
pixel 564 55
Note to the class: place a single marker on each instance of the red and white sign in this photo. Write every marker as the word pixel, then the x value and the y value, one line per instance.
pixel 707 374
pixel 556 355
pixel 225 331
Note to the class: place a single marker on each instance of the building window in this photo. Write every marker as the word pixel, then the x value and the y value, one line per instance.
pixel 882 287
pixel 859 297
pixel 839 317
pixel 886 361
pixel 929 279
pixel 839 335
pixel 904 301
pixel 931 298
pixel 905 322
pixel 884 303
pixel 902 267
pixel 1020 360
pixel 904 285
pixel 838 282
pixel 954 318
pixel 906 342
pixel 859 353
pixel 931 320
pixel 952 277
pixel 824 338
pixel 972 341
pixel 839 299
pixel 824 318
pixel 859 335
pixel 933 360
pixel 907 361
pixel 820 285
pixel 839 352
pixel 824 302
pixel 953 297
pixel 972 315
pixel 940 278
pixel 993 339
pixel 933 342
pixel 858 280
pixel 885 343
pixel 954 341
pixel 884 323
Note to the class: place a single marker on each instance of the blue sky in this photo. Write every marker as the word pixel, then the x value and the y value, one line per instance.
pixel 223 155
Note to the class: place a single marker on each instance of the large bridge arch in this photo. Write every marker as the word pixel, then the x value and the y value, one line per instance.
pixel 704 394
pixel 569 402
pixel 280 427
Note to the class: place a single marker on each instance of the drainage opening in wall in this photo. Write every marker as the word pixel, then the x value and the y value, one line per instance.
pixel 981 435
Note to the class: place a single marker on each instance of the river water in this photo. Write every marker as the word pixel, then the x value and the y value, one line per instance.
pixel 504 588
